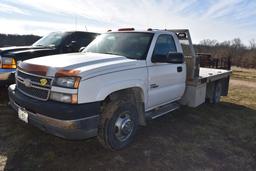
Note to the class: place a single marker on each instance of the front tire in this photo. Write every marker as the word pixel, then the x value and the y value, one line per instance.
pixel 119 124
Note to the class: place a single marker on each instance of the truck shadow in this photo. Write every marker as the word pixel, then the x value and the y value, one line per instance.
pixel 220 137
pixel 3 96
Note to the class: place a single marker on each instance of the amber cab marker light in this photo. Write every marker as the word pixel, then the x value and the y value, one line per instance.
pixel 126 29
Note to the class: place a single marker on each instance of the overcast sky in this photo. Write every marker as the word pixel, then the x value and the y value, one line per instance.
pixel 213 19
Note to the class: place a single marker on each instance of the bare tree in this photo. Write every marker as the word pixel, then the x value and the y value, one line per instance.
pixel 208 42
pixel 240 55
pixel 253 44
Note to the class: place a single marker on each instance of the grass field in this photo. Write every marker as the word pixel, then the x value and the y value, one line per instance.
pixel 211 137
pixel 244 74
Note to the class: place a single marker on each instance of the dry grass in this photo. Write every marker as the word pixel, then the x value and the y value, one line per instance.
pixel 242 94
pixel 244 74
pixel 210 137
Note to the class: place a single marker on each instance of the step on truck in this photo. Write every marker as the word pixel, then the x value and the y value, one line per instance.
pixel 119 81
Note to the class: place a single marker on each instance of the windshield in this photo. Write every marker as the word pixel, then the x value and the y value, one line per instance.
pixel 132 45
pixel 52 39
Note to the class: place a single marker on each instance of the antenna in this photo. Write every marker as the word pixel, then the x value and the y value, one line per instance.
pixel 75 22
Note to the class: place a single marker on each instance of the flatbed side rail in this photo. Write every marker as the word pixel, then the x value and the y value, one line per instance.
pixel 208 61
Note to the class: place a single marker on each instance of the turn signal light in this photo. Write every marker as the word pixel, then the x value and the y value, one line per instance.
pixel 8 63
pixel 74 99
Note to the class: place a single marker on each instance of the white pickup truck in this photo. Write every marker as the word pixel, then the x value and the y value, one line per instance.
pixel 118 82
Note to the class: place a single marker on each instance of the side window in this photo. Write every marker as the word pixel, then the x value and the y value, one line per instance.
pixel 65 44
pixel 79 40
pixel 164 44
pixel 85 39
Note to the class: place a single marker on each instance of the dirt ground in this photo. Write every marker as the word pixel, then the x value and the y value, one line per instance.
pixel 210 137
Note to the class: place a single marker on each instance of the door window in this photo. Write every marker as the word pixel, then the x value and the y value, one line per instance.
pixel 164 44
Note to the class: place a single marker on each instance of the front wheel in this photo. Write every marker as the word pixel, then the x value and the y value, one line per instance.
pixel 119 123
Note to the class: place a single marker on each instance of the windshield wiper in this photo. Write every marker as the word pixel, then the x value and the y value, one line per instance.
pixel 110 53
pixel 51 45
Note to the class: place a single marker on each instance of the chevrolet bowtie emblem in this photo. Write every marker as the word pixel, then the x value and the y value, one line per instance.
pixel 27 82
pixel 43 82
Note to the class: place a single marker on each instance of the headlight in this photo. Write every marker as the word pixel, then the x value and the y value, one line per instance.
pixel 7 63
pixel 68 82
pixel 63 97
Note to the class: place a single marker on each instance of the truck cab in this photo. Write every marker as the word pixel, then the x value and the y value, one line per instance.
pixel 53 43
pixel 117 83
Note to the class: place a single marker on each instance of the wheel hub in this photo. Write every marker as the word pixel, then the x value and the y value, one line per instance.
pixel 123 127
pixel 127 126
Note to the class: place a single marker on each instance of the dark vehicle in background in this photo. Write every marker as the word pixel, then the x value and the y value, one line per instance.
pixel 53 43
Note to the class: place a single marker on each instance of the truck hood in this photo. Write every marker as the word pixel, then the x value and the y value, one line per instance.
pixel 15 51
pixel 88 64
pixel 13 48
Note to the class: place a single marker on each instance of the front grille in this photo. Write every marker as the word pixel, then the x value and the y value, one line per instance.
pixel 34 78
pixel 33 92
pixel 30 85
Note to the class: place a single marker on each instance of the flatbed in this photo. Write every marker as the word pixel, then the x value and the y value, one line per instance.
pixel 212 74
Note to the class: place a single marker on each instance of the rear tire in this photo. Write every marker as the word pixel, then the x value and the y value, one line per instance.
pixel 118 125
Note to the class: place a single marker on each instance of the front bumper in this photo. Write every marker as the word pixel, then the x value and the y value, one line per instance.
pixel 65 122
pixel 7 76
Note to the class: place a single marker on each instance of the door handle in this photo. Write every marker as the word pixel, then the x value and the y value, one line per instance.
pixel 179 69
pixel 154 86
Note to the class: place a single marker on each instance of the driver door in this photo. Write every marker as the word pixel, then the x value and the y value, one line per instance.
pixel 166 80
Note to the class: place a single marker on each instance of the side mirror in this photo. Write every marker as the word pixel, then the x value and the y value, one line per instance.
pixel 71 46
pixel 156 58
pixel 174 58
pixel 73 43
